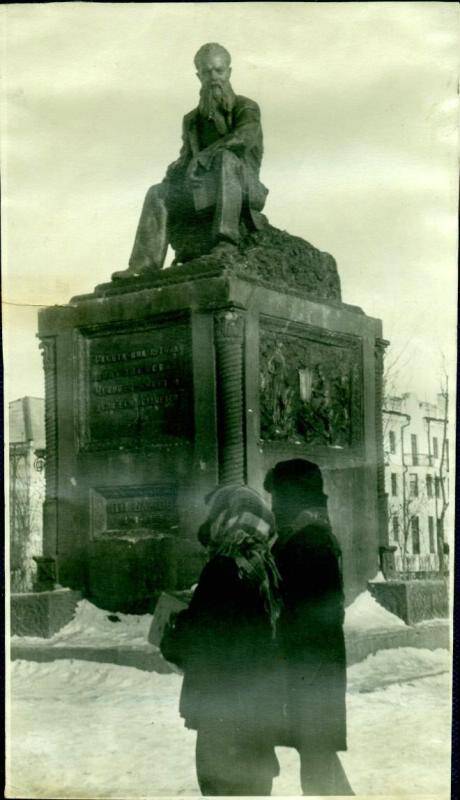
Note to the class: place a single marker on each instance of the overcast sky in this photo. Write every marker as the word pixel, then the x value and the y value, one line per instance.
pixel 359 115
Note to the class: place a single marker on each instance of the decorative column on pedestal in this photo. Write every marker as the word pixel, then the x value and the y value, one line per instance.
pixel 47 563
pixel 229 337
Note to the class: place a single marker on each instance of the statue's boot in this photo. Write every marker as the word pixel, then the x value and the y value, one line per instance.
pixel 151 241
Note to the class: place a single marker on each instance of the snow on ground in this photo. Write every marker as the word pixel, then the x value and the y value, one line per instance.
pixel 87 730
pixel 394 666
pixel 366 614
pixel 92 626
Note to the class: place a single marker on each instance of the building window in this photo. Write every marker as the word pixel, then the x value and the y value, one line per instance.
pixel 395 520
pixel 446 454
pixel 413 483
pixel 414 449
pixel 415 536
pixel 394 484
pixel 431 534
pixel 429 486
pixel 437 487
pixel 435 447
pixel 440 528
pixel 392 437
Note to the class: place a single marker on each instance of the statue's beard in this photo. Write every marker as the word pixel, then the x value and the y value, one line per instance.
pixel 218 97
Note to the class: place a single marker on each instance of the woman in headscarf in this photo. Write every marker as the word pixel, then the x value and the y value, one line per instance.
pixel 310 628
pixel 225 643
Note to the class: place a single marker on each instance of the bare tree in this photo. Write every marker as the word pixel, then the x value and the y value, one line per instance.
pixel 26 499
pixel 442 476
pixel 395 363
pixel 409 510
pixel 410 507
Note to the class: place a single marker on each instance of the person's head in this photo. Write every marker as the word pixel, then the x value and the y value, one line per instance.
pixel 240 526
pixel 236 508
pixel 295 486
pixel 212 63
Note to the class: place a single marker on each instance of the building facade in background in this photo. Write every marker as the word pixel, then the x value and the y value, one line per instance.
pixel 416 447
pixel 26 488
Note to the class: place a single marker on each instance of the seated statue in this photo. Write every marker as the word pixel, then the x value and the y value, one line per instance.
pixel 214 185
pixel 209 205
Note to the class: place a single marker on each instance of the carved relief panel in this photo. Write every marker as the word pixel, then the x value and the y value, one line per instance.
pixel 310 385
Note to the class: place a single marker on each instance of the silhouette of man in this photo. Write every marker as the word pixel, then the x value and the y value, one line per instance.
pixel 310 627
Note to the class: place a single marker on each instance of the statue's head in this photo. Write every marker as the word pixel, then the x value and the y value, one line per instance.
pixel 212 63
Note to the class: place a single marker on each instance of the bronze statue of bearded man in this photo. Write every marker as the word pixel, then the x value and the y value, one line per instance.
pixel 214 183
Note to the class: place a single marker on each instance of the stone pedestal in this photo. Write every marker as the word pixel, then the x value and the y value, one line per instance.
pixel 158 389
pixel 46 578
pixel 413 601
pixel 42 613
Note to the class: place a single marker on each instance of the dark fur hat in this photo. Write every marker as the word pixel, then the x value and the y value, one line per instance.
pixel 297 475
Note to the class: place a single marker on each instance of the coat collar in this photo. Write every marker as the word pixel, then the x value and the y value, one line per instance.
pixel 311 516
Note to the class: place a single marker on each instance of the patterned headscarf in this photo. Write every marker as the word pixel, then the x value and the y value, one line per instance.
pixel 240 526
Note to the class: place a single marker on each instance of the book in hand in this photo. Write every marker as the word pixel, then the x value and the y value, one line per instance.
pixel 169 603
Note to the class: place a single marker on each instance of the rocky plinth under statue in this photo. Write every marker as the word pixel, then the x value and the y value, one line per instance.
pixel 208 207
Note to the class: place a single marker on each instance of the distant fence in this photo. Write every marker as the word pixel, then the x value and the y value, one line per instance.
pixel 419 566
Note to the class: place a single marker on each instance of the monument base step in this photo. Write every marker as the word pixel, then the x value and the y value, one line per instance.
pixel 426 635
pixel 413 601
pixel 42 613
pixel 147 657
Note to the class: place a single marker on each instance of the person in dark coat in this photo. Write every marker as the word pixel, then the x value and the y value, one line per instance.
pixel 310 628
pixel 225 644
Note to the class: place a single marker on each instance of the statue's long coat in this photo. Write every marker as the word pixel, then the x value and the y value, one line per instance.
pixel 244 139
pixel 311 639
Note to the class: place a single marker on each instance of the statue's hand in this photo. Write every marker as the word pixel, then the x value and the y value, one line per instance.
pixel 191 175
pixel 206 156
pixel 199 163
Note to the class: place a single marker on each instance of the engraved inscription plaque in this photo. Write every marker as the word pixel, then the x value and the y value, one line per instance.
pixel 117 510
pixel 137 389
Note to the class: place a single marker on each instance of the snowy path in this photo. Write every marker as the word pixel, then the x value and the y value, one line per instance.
pixel 87 730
